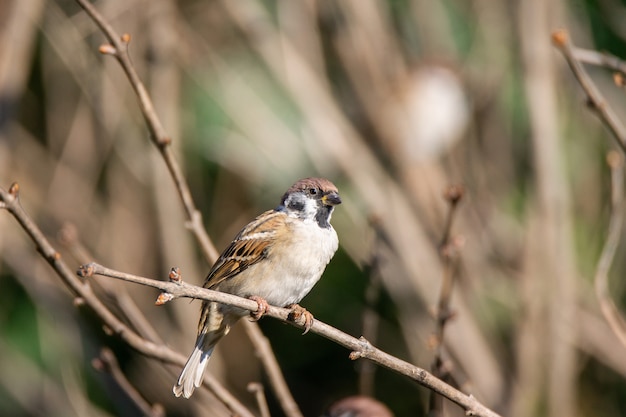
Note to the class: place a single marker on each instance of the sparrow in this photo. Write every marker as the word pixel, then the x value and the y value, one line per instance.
pixel 275 259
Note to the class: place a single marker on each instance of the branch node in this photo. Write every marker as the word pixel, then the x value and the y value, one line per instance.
pixel 86 270
pixel 79 302
pixel 164 141
pixel 99 365
pixel 470 411
pixel 14 189
pixel 451 249
pixel 107 49
pixel 365 348
pixel 454 193
pixel 125 38
pixel 158 410
pixel 614 159
pixel 107 330
pixel 175 275
pixel 560 37
pixel 163 298
pixel 254 387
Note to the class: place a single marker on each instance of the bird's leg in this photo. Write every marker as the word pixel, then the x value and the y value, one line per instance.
pixel 262 307
pixel 296 312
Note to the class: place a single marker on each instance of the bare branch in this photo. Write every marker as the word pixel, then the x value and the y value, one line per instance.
pixel 119 49
pixel 609 310
pixel 448 251
pixel 360 348
pixel 370 319
pixel 561 40
pixel 257 389
pixel 85 296
pixel 268 359
pixel 107 362
pixel 601 59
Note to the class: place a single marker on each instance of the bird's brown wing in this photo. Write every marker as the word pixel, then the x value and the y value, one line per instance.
pixel 250 246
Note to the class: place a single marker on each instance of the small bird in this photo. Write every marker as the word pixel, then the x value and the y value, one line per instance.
pixel 276 259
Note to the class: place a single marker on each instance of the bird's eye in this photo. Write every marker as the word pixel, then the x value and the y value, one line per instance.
pixel 313 191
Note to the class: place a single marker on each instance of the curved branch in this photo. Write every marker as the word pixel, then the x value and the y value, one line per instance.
pixel 118 48
pixel 611 314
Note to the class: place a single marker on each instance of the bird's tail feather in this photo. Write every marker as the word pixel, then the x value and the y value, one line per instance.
pixel 191 376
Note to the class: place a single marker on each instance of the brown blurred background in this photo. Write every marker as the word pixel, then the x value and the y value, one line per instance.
pixel 393 101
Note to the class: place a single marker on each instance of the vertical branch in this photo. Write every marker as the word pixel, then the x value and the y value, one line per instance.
pixel 272 368
pixel 448 251
pixel 370 319
pixel 609 310
pixel 549 379
pixel 257 389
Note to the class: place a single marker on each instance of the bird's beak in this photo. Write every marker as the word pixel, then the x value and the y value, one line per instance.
pixel 331 199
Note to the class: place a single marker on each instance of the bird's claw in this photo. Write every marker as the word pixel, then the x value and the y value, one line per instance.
pixel 262 307
pixel 296 312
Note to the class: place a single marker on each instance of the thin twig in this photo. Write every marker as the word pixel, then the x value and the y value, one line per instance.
pixel 448 249
pixel 561 40
pixel 601 59
pixel 360 348
pixel 118 48
pixel 272 368
pixel 257 389
pixel 609 310
pixel 107 362
pixel 370 318
pixel 85 296
pixel 68 237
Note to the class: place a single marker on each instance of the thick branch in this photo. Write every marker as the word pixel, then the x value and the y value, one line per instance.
pixel 360 348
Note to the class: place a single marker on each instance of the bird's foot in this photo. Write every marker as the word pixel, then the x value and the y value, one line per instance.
pixel 262 307
pixel 296 312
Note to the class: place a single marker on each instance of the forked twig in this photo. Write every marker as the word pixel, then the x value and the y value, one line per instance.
pixel 608 116
pixel 561 40
pixel 85 296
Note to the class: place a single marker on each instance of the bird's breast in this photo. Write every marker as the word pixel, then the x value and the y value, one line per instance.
pixel 292 267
